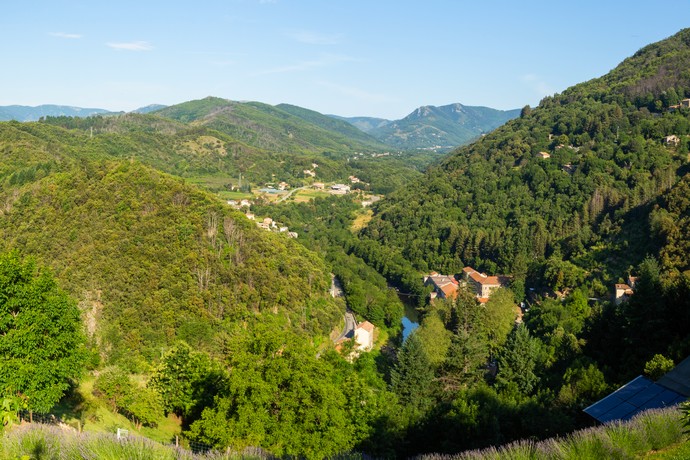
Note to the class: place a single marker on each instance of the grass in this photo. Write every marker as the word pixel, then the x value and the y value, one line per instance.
pixel 648 435
pixel 305 195
pixel 362 220
pixel 676 452
pixel 84 412
pixel 35 441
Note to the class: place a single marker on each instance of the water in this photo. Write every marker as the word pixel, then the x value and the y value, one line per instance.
pixel 410 320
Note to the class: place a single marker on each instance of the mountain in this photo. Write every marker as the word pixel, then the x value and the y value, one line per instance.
pixel 151 259
pixel 331 124
pixel 26 113
pixel 271 128
pixel 149 108
pixel 441 128
pixel 366 124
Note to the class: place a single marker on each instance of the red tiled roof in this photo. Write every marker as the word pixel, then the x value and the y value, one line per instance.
pixel 484 280
pixel 624 287
pixel 367 326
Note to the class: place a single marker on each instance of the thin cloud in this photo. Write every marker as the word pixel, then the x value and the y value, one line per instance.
pixel 301 66
pixel 131 46
pixel 64 35
pixel 538 85
pixel 315 38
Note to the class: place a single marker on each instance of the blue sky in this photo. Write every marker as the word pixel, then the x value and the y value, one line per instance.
pixel 378 58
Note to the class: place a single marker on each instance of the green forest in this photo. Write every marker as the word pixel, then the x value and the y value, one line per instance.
pixel 128 291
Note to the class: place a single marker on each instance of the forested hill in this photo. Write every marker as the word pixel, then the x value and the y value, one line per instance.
pixel 151 259
pixel 442 128
pixel 568 186
pixel 263 126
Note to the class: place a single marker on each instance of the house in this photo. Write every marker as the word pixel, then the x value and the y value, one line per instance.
pixel 314 165
pixel 364 336
pixel 544 155
pixel 482 284
pixel 672 140
pixel 318 185
pixel 685 103
pixel 283 186
pixel 308 172
pixel 354 180
pixel 250 215
pixel 233 203
pixel 340 189
pixel 622 293
pixel 245 203
pixel 444 286
pixel 292 234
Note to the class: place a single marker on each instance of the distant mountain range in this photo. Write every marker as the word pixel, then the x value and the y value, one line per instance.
pixel 27 113
pixel 435 128
pixel 282 126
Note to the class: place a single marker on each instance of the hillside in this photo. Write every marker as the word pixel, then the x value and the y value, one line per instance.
pixel 366 124
pixel 152 260
pixel 497 204
pixel 271 128
pixel 333 124
pixel 440 128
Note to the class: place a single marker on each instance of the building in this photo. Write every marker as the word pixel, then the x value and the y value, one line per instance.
pixel 622 293
pixel 544 155
pixel 482 284
pixel 340 189
pixel 354 179
pixel 444 286
pixel 672 140
pixel 318 185
pixel 308 172
pixel 364 336
pixel 685 103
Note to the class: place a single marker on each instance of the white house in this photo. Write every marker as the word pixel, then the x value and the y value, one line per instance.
pixel 364 336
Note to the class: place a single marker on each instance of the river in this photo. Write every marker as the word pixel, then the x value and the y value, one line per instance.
pixel 410 320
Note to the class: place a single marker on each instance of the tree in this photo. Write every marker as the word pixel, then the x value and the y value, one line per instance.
pixel 412 376
pixel 186 381
pixel 656 367
pixel 499 318
pixel 41 337
pixel 517 362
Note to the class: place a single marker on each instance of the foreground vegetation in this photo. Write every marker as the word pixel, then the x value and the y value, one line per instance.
pixel 647 433
pixel 653 434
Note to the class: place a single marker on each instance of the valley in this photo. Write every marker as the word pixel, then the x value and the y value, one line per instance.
pixel 509 268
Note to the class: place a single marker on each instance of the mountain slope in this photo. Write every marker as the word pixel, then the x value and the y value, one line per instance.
pixel 366 124
pixel 580 213
pixel 332 124
pixel 266 127
pixel 442 128
pixel 26 113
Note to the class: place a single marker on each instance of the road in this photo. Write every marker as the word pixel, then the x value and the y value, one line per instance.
pixel 350 325
pixel 290 194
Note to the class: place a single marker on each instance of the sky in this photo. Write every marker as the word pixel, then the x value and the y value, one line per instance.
pixel 379 58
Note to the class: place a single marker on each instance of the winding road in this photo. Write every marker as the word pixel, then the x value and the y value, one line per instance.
pixel 350 325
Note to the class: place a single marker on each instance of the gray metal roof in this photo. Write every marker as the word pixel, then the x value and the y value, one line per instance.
pixel 678 379
pixel 635 396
